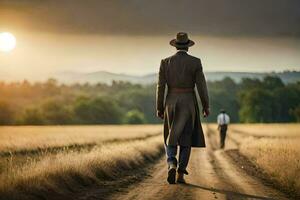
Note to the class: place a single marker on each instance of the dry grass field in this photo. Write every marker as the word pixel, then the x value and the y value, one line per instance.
pixel 275 148
pixel 34 166
pixel 20 138
pixel 36 161
pixel 267 130
pixel 280 158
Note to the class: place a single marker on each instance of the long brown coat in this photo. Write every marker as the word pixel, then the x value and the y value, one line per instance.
pixel 182 124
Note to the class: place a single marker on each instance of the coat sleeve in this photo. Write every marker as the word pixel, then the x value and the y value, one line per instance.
pixel 201 86
pixel 160 90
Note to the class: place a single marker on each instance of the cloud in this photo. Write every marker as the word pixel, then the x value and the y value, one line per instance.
pixel 155 17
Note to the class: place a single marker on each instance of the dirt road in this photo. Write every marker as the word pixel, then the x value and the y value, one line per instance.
pixel 212 176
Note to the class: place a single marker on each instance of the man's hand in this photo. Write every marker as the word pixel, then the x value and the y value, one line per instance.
pixel 160 114
pixel 206 112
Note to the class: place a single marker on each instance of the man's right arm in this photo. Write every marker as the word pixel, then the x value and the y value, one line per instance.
pixel 202 89
pixel 160 91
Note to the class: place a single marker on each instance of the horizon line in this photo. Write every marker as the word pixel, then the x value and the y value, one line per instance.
pixel 151 73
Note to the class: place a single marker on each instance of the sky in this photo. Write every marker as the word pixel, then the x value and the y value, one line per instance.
pixel 133 36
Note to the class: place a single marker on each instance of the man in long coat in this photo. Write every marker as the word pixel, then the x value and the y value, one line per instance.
pixel 180 75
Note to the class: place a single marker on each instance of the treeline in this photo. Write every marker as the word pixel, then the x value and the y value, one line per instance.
pixel 251 100
pixel 52 103
pixel 256 101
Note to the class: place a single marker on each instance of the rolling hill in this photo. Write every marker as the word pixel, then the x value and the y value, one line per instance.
pixel 108 77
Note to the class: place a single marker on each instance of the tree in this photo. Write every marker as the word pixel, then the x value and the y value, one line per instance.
pixel 101 110
pixel 272 82
pixel 32 116
pixel 6 113
pixel 51 87
pixel 249 83
pixel 142 99
pixel 134 117
pixel 296 113
pixel 56 112
pixel 223 94
pixel 285 99
pixel 256 106
pixel 223 100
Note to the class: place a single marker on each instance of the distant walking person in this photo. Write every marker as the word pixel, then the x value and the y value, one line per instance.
pixel 180 73
pixel 223 121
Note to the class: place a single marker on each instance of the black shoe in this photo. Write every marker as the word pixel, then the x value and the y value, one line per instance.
pixel 172 175
pixel 180 178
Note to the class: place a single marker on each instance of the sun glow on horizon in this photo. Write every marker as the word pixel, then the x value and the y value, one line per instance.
pixel 7 42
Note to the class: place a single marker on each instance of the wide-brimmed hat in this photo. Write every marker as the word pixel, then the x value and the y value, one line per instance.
pixel 182 40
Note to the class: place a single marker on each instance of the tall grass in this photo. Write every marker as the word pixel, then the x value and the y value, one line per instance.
pixel 266 130
pixel 66 171
pixel 20 138
pixel 274 148
pixel 279 158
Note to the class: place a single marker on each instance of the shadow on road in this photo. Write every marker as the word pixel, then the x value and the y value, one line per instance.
pixel 229 194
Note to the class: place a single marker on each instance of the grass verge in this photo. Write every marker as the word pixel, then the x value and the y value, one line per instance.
pixel 278 158
pixel 65 174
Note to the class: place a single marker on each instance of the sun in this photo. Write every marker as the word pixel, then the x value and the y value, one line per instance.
pixel 7 42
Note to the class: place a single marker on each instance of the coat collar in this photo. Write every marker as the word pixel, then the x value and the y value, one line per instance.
pixel 181 52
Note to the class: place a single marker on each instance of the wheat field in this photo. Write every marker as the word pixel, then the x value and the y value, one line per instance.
pixel 274 148
pixel 267 130
pixel 19 138
pixel 37 159
pixel 33 166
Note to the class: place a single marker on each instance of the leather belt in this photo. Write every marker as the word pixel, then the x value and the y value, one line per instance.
pixel 181 90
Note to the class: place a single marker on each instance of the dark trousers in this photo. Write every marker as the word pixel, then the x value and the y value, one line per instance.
pixel 184 156
pixel 223 131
